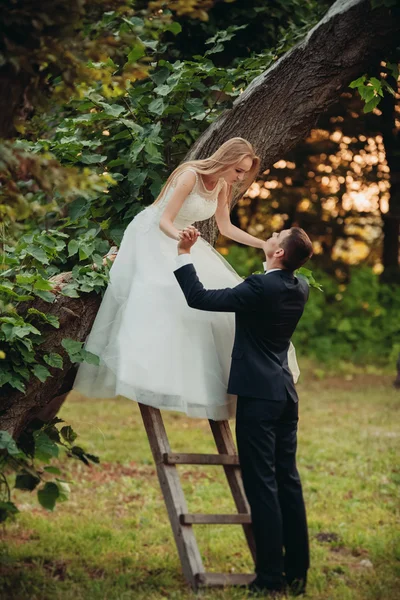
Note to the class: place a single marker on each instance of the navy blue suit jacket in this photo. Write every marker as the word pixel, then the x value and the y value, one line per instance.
pixel 267 309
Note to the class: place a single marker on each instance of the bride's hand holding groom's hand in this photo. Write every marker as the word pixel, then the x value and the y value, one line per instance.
pixel 188 237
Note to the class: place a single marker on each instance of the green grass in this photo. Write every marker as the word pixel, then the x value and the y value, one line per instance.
pixel 112 539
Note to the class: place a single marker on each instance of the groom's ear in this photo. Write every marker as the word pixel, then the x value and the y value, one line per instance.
pixel 279 253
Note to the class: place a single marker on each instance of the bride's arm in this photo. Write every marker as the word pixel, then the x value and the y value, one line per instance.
pixel 184 186
pixel 226 227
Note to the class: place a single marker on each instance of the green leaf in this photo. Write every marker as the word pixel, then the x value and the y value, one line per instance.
pixel 52 319
pixel 42 284
pixel 70 291
pixel 64 490
pixel 25 279
pixel 393 68
pixel 152 44
pixel 122 135
pixel 44 446
pixel 23 330
pixel 113 110
pixel 26 481
pixel 93 458
pixel 358 82
pixel 194 106
pixel 137 177
pixel 52 470
pixel 175 27
pixel 118 161
pixel 309 277
pixel 78 452
pixel 23 371
pixel 73 247
pixel 160 76
pixel 7 443
pixel 215 49
pixel 91 159
pixel 7 511
pixel 91 358
pixel 46 296
pixel 71 346
pixel 163 90
pixel 41 372
pixel 17 383
pixel 369 106
pixel 367 92
pixel 137 52
pixel 68 434
pixel 388 87
pixel 135 149
pixel 154 157
pixel 17 297
pixel 48 495
pixel 78 208
pixel 37 253
pixel 54 360
pixel 157 106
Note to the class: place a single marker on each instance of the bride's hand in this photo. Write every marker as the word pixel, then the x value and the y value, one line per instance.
pixel 187 238
pixel 185 234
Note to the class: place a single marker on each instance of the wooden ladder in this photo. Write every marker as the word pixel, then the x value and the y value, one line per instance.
pixel 181 520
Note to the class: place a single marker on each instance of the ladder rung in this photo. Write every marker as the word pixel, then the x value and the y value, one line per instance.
pixel 221 579
pixel 204 519
pixel 200 459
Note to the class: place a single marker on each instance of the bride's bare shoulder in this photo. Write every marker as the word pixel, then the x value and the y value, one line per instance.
pixel 187 178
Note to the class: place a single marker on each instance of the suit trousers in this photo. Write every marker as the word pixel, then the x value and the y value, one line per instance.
pixel 266 432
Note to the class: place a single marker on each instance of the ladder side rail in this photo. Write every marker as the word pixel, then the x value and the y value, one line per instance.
pixel 225 445
pixel 175 502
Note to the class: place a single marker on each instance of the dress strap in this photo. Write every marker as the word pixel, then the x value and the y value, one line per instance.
pixel 176 177
pixel 193 171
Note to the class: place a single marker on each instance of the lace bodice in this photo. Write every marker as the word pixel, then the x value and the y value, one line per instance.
pixel 199 205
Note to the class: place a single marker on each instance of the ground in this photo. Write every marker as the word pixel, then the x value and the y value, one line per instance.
pixel 112 539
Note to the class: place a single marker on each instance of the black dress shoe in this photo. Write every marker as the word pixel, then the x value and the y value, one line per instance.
pixel 297 586
pixel 260 589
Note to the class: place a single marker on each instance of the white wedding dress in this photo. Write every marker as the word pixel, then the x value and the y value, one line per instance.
pixel 153 348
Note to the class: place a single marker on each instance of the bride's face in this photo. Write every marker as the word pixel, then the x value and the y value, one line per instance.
pixel 237 173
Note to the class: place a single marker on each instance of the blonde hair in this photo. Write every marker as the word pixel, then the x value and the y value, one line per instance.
pixel 227 155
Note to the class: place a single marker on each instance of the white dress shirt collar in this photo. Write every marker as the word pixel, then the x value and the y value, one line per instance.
pixel 266 271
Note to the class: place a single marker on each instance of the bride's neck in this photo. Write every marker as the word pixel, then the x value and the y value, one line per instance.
pixel 210 181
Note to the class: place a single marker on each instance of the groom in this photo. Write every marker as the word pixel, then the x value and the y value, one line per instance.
pixel 267 308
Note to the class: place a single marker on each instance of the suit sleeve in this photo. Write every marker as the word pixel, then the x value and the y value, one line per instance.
pixel 245 297
pixel 306 286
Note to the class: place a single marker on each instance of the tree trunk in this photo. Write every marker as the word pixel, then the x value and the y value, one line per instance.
pixel 76 316
pixel 391 220
pixel 275 113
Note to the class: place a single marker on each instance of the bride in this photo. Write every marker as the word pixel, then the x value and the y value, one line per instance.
pixel 153 348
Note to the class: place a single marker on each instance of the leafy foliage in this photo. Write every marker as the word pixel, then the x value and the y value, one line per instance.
pixel 354 319
pixel 29 463
pixel 125 142
pixel 371 89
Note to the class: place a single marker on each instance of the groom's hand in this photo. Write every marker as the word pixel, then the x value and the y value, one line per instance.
pixel 188 237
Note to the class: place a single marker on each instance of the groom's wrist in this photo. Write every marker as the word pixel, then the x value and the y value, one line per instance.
pixel 183 260
pixel 181 251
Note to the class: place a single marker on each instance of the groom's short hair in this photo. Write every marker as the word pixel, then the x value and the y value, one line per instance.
pixel 298 249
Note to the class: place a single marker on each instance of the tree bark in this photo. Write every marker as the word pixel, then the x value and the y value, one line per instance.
pixel 276 112
pixel 391 220
pixel 76 316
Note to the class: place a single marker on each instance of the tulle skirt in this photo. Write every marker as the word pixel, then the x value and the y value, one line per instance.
pixel 153 348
